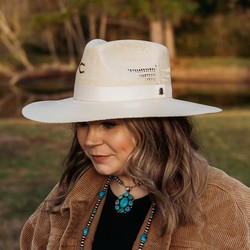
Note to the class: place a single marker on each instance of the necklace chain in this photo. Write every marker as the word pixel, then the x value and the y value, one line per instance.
pixel 127 188
pixel 125 202
pixel 101 195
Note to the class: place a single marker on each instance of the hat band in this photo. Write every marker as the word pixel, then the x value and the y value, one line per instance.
pixel 128 93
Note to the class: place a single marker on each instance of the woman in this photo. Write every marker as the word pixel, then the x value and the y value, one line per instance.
pixel 134 177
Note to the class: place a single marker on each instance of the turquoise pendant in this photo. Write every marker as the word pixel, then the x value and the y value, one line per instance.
pixel 124 203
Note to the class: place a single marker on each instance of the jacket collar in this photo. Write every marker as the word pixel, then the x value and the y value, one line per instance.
pixel 85 189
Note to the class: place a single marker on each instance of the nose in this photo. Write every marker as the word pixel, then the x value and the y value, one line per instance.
pixel 93 137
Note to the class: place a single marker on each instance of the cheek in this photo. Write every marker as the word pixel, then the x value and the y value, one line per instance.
pixel 127 144
pixel 81 136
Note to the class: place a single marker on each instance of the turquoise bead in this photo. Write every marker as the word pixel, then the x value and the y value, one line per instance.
pixel 124 202
pixel 130 203
pixel 102 194
pixel 85 231
pixel 127 209
pixel 94 211
pixel 121 210
pixel 130 197
pixel 117 207
pixel 151 216
pixel 144 238
pixel 117 202
pixel 125 195
pixel 120 197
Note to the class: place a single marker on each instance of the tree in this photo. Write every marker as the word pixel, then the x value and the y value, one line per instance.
pixel 172 12
pixel 227 26
pixel 62 13
pixel 99 10
pixel 162 16
pixel 12 20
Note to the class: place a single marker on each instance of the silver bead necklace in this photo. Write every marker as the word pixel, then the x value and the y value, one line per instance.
pixel 101 195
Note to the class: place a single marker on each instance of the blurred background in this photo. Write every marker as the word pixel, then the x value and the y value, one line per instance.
pixel 41 44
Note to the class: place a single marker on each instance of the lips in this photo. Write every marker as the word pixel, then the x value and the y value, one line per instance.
pixel 99 158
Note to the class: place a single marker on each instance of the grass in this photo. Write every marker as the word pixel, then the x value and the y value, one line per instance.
pixel 30 165
pixel 226 138
pixel 31 155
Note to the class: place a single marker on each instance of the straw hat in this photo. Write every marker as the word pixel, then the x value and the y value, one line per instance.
pixel 118 79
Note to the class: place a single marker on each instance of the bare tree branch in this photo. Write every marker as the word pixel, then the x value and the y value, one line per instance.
pixel 12 43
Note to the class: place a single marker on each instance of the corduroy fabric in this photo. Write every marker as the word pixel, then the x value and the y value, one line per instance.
pixel 225 223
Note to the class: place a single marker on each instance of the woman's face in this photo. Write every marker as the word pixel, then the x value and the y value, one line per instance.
pixel 107 143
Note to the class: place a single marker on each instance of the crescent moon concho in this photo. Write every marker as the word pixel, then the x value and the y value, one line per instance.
pixel 81 68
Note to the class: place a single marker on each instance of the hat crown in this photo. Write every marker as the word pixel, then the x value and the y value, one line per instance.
pixel 123 63
pixel 118 79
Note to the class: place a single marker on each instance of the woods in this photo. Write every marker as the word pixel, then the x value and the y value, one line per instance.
pixel 41 43
pixel 61 28
pixel 43 39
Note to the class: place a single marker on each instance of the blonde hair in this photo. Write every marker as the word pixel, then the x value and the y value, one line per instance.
pixel 166 160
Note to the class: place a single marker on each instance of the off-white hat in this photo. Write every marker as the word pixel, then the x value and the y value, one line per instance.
pixel 118 79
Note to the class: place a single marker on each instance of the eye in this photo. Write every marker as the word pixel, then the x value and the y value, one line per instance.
pixel 108 125
pixel 82 124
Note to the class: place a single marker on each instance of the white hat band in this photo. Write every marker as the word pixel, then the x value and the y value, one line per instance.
pixel 123 93
pixel 118 79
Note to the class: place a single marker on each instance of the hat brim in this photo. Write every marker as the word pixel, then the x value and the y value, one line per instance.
pixel 70 110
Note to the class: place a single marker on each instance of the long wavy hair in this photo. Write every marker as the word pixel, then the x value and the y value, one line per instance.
pixel 166 160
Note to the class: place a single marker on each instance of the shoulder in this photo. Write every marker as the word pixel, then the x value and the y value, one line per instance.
pixel 222 189
pixel 223 181
pixel 84 189
pixel 224 218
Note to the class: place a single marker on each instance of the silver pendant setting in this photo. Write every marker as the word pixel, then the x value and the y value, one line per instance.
pixel 124 203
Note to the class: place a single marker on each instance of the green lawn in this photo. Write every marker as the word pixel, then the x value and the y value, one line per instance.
pixel 225 137
pixel 31 155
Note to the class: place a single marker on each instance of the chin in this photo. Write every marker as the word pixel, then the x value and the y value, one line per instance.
pixel 103 170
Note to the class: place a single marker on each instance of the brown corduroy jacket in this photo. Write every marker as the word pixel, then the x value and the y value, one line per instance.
pixel 226 224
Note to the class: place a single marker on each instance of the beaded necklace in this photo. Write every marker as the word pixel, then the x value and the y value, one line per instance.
pixel 101 195
pixel 124 203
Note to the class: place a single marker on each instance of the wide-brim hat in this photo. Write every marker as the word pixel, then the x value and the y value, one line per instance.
pixel 118 79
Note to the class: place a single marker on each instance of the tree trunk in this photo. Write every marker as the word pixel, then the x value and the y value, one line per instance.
pixel 70 45
pixel 51 45
pixel 68 34
pixel 23 57
pixel 92 25
pixel 12 43
pixel 155 28
pixel 79 30
pixel 78 44
pixel 169 39
pixel 103 25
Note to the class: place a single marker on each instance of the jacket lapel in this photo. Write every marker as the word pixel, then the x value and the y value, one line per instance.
pixel 154 239
pixel 79 200
pixel 82 198
pixel 85 188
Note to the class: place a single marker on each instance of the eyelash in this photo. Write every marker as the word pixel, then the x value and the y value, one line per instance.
pixel 83 124
pixel 105 125
pixel 108 125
